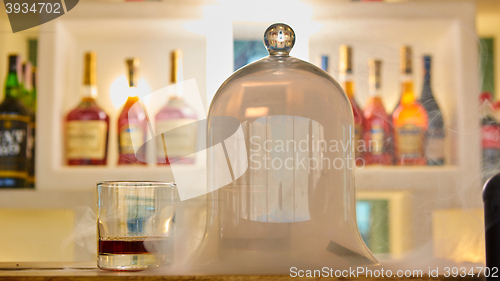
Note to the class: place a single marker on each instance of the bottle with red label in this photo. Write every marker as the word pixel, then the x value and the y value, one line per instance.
pixel 490 137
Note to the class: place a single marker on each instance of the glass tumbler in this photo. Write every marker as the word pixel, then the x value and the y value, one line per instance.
pixel 135 224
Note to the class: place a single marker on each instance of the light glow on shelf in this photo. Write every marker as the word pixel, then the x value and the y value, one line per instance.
pixel 120 91
pixel 219 22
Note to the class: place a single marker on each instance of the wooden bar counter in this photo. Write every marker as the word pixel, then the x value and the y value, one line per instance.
pixel 89 272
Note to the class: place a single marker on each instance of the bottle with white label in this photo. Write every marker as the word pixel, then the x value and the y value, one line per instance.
pixel 87 126
pixel 14 131
pixel 172 118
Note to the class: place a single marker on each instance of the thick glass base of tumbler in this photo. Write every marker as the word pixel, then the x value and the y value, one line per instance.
pixel 130 262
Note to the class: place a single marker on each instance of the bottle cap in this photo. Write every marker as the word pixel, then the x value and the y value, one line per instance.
pixel 345 59
pixel 405 56
pixel 374 70
pixel 486 96
pixel 176 64
pixel 324 63
pixel 133 71
pixel 427 59
pixel 14 62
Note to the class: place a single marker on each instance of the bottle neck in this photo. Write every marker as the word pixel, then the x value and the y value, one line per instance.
pixel 374 91
pixel 133 94
pixel 176 72
pixel 133 91
pixel 176 101
pixel 12 86
pixel 347 83
pixel 407 96
pixel 486 109
pixel 426 87
pixel 89 92
pixel 28 80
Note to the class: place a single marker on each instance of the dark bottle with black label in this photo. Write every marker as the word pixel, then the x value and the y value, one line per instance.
pixel 14 131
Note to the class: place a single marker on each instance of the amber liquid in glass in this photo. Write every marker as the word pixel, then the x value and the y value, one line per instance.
pixel 133 253
pixel 133 245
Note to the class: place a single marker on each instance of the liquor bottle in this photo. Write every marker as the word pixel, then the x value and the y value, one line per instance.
pixel 175 114
pixel 377 122
pixel 29 102
pixel 434 147
pixel 26 87
pixel 14 131
pixel 33 107
pixel 87 126
pixel 132 123
pixel 409 119
pixel 347 82
pixel 496 110
pixel 324 63
pixel 490 137
pixel 21 78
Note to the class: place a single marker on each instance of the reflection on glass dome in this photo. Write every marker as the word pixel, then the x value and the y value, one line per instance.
pixel 294 206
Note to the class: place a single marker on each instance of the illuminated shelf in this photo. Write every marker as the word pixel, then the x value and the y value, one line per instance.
pixel 406 178
pixel 85 178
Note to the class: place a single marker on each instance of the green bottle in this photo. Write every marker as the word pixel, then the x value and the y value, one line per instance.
pixel 14 131
pixel 27 88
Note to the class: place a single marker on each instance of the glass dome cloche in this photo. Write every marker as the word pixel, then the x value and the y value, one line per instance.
pixel 293 205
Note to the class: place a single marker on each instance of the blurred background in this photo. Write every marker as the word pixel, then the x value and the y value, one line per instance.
pixel 423 213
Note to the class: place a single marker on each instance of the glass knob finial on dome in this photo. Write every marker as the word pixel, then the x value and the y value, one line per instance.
pixel 279 39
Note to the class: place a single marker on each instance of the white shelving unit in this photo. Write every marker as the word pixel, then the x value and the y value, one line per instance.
pixel 115 31
pixel 446 30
